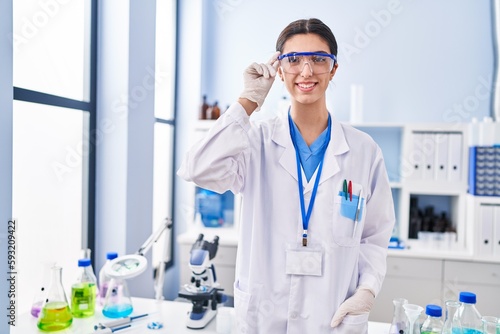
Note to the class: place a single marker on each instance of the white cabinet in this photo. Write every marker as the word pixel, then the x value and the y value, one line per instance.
pixel 482 278
pixel 417 280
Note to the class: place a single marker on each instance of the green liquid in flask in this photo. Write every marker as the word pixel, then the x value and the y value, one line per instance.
pixel 54 317
pixel 83 299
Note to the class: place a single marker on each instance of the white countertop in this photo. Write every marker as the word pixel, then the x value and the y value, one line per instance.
pixel 171 314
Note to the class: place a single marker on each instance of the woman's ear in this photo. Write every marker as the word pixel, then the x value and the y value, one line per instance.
pixel 334 70
pixel 280 73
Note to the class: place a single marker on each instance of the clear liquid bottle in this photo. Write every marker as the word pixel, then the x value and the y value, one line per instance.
pixel 451 323
pixel 40 295
pixel 83 292
pixel 399 321
pixel 468 315
pixel 103 278
pixel 55 314
pixel 433 323
pixel 117 303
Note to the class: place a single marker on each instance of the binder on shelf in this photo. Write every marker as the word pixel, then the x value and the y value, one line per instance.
pixel 496 231
pixel 416 156
pixel 429 153
pixel 441 165
pixel 455 147
pixel 485 235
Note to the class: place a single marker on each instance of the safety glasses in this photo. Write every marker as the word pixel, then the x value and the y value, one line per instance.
pixel 319 62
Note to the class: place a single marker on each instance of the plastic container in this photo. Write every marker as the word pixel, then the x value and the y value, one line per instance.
pixel 55 314
pixel 103 278
pixel 83 292
pixel 468 315
pixel 433 323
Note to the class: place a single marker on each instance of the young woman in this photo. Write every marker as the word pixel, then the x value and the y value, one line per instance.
pixel 317 211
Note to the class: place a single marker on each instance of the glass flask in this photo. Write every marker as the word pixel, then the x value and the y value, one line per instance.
pixel 36 306
pixel 491 325
pixel 83 292
pixel 55 314
pixel 451 323
pixel 399 321
pixel 117 303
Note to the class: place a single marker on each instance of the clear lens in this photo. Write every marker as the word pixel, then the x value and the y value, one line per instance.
pixel 319 63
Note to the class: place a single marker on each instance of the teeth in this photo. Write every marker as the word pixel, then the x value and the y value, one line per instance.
pixel 306 86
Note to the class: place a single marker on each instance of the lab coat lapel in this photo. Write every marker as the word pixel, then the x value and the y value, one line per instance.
pixel 281 136
pixel 337 146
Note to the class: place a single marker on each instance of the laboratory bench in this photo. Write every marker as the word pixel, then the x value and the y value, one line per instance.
pixel 171 314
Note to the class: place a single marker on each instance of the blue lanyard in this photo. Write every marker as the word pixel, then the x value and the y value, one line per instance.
pixel 307 215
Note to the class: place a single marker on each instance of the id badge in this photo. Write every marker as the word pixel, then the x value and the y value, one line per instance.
pixel 302 260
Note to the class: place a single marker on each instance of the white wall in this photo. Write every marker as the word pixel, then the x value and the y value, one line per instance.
pixel 419 61
pixel 6 96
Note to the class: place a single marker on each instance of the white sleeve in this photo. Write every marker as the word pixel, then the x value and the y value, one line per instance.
pixel 218 162
pixel 379 223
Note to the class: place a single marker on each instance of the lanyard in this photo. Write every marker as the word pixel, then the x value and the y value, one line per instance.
pixel 307 215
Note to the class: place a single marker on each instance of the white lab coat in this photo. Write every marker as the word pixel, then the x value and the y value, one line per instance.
pixel 257 159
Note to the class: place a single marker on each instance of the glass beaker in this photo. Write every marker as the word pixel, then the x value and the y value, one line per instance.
pixel 399 320
pixel 55 314
pixel 36 306
pixel 491 325
pixel 117 303
pixel 452 324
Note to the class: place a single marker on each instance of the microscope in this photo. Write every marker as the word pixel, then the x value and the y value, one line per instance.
pixel 203 291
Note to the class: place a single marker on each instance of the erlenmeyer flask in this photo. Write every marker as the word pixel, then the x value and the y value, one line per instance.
pixel 36 306
pixel 117 303
pixel 452 324
pixel 399 320
pixel 55 314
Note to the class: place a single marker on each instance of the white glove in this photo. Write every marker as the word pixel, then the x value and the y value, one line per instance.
pixel 258 79
pixel 360 302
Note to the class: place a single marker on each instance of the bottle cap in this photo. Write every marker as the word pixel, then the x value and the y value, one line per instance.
pixel 468 297
pixel 111 255
pixel 83 262
pixel 433 310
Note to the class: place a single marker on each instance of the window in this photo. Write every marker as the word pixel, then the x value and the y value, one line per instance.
pixel 53 151
pixel 163 174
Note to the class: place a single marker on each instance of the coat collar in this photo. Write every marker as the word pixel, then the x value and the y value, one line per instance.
pixel 337 146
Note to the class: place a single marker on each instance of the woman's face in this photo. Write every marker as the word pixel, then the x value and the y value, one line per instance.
pixel 306 87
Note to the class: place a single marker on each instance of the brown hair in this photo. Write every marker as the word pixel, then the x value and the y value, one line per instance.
pixel 310 26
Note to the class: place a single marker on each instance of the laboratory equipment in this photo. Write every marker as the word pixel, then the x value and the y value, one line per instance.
pixel 451 323
pixel 36 306
pixel 103 278
pixel 128 266
pixel 491 325
pixel 399 320
pixel 55 314
pixel 83 291
pixel 433 323
pixel 468 315
pixel 412 312
pixel 204 291
pixel 117 324
pixel 117 302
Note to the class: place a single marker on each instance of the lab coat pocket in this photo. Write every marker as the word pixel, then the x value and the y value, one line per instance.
pixel 353 324
pixel 241 306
